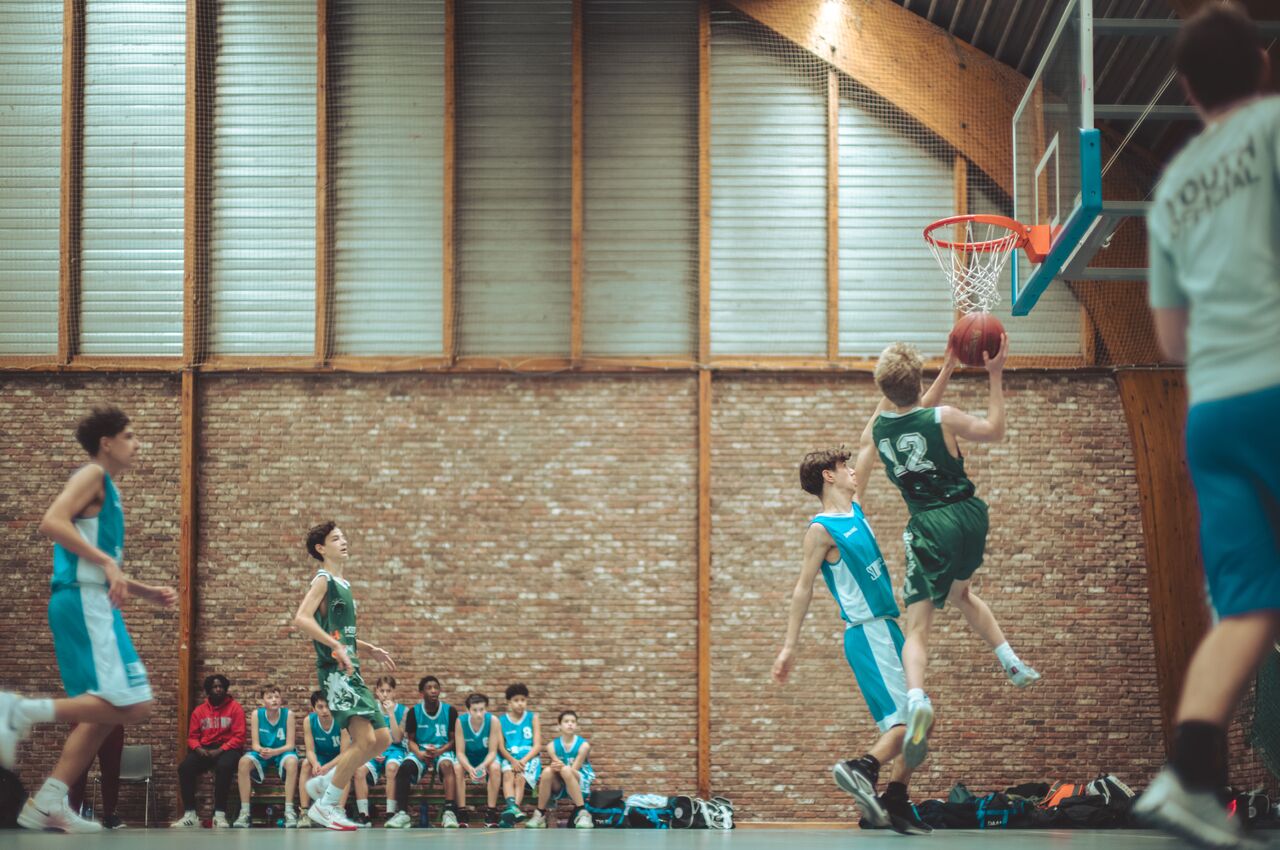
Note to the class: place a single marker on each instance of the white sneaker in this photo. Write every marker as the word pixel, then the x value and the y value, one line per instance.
pixel 13 728
pixel 189 820
pixel 290 818
pixel 400 820
pixel 330 817
pixel 1022 675
pixel 582 820
pixel 449 820
pixel 220 821
pixel 317 785
pixel 242 820
pixel 536 821
pixel 59 819
pixel 1196 816
pixel 915 748
pixel 303 822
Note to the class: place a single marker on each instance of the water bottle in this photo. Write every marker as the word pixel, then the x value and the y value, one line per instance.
pixel 424 816
pixel 271 815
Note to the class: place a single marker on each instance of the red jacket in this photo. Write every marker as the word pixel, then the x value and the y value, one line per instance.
pixel 217 728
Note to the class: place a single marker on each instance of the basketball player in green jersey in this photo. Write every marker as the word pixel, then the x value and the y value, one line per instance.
pixel 947 533
pixel 328 616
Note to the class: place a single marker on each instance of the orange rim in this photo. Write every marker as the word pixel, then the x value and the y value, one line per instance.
pixel 1021 231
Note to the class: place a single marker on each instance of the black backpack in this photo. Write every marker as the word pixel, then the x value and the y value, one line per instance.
pixel 606 808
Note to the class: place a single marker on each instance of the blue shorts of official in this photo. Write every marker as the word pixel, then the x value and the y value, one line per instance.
pixel 1234 456
pixel 874 652
pixel 393 754
pixel 261 764
pixel 95 653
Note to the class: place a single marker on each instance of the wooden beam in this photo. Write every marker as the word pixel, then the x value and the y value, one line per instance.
pixel 1155 405
pixel 952 88
pixel 187 551
pixel 447 296
pixel 833 214
pixel 72 179
pixel 324 195
pixel 704 584
pixel 575 191
pixel 704 181
pixel 201 21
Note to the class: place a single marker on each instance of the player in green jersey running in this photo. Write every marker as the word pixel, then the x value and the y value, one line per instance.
pixel 328 616
pixel 947 533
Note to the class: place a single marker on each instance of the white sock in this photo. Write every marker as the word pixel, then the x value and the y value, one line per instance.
pixel 916 695
pixel 36 710
pixel 1006 656
pixel 289 810
pixel 190 813
pixel 391 806
pixel 218 814
pixel 362 806
pixel 332 795
pixel 51 794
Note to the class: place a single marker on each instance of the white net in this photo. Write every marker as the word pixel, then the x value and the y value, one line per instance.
pixel 973 258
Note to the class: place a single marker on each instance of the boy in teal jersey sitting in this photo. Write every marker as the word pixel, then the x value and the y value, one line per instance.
pixel 325 741
pixel 327 615
pixel 477 740
pixel 388 762
pixel 271 730
pixel 428 735
pixel 522 737
pixel 946 536
pixel 105 680
pixel 568 774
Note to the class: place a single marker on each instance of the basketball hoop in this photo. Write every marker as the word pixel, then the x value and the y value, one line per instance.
pixel 974 258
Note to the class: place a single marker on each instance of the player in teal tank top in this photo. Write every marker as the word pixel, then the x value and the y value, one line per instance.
pixel 477 741
pixel 840 546
pixel 105 680
pixel 323 738
pixel 568 774
pixel 327 615
pixel 945 539
pixel 428 735
pixel 387 764
pixel 271 731
pixel 521 738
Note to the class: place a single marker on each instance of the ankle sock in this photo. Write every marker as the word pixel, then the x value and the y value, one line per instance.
pixel 362 806
pixel 51 794
pixel 1200 755
pixel 916 695
pixel 36 710
pixel 332 795
pixel 391 806
pixel 1006 656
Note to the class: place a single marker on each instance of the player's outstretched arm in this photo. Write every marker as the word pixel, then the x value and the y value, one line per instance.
pixel 866 453
pixel 378 654
pixel 976 429
pixel 816 543
pixel 933 395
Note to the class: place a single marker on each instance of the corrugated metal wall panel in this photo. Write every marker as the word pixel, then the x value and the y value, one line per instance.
pixel 513 162
pixel 30 148
pixel 640 162
pixel 894 180
pixel 132 238
pixel 387 92
pixel 262 238
pixel 768 193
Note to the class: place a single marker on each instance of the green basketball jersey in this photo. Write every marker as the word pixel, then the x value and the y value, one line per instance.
pixel 916 459
pixel 338 618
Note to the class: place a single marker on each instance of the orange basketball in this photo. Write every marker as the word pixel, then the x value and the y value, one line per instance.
pixel 974 334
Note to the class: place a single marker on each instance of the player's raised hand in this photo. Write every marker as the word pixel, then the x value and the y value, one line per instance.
pixel 782 666
pixel 996 364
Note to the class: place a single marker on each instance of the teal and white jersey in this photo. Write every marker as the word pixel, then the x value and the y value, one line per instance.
pixel 518 734
pixel 568 754
pixel 272 735
pixel 858 581
pixel 475 741
pixel 328 741
pixel 106 531
pixel 432 730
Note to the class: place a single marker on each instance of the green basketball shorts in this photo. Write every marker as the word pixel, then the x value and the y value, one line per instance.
pixel 943 546
pixel 348 697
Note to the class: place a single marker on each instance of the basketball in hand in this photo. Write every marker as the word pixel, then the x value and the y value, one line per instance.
pixel 974 334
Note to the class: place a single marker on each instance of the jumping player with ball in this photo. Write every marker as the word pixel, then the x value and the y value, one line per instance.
pixel 947 533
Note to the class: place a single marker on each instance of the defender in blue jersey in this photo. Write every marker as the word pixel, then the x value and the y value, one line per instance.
pixel 428 735
pixel 839 545
pixel 106 682
pixel 522 738
pixel 324 740
pixel 273 747
pixel 387 763
pixel 477 739
pixel 568 774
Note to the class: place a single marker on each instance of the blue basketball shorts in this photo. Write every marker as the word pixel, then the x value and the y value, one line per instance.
pixel 95 653
pixel 393 754
pixel 262 763
pixel 437 766
pixel 1234 457
pixel 874 653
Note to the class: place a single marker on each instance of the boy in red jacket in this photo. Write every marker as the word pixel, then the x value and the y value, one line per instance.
pixel 215 740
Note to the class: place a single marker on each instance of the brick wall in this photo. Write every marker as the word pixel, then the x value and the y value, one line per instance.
pixel 544 529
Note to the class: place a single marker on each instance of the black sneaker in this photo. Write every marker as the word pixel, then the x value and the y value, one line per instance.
pixel 903 817
pixel 113 822
pixel 491 819
pixel 854 778
pixel 363 820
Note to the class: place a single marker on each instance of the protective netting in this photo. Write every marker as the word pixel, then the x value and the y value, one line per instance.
pixel 334 166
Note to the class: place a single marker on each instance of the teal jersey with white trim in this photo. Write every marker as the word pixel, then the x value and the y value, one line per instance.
pixel 518 734
pixel 859 581
pixel 328 741
pixel 433 730
pixel 272 735
pixel 568 755
pixel 476 743
pixel 105 531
